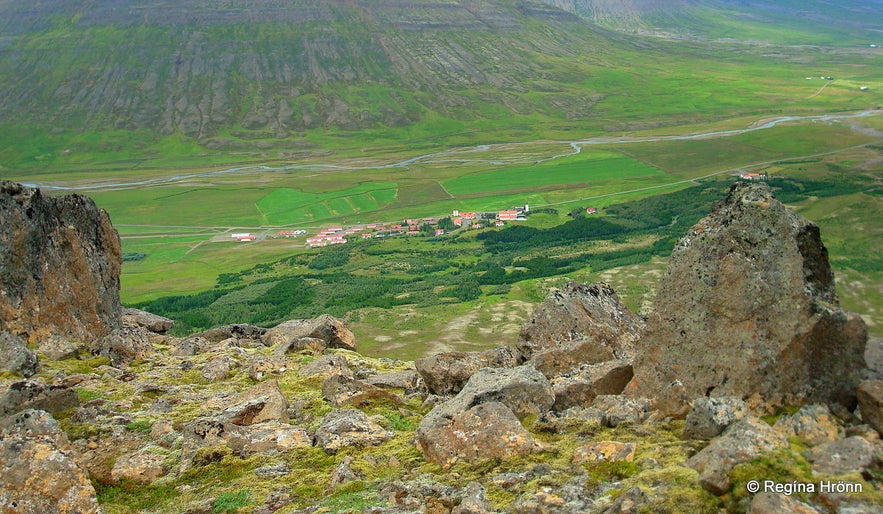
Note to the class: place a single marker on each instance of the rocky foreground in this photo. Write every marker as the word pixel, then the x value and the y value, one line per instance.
pixel 747 371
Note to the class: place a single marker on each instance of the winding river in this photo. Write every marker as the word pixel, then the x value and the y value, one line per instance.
pixel 456 155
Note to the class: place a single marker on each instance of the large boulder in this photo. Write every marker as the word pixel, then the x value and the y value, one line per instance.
pixel 870 400
pixel 487 430
pixel 39 472
pixel 446 373
pixel 259 403
pixel 579 389
pixel 235 331
pixel 34 395
pixel 17 357
pixel 124 345
pixel 747 309
pixel 152 322
pixel 591 314
pixel 520 391
pixel 60 265
pixel 325 327
pixel 349 427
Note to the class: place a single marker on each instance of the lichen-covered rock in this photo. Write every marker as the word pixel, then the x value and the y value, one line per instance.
pixel 325 327
pixel 446 373
pixel 15 356
pixel 125 345
pixel 487 430
pixel 840 457
pixel 605 451
pixel 814 424
pixel 629 502
pixel 741 442
pixel 474 501
pixel 30 394
pixel 747 307
pixel 234 331
pixel 327 365
pixel 711 416
pixel 342 474
pixel 870 401
pixel 349 427
pixel 407 380
pixel 58 348
pixel 218 368
pixel 142 467
pixel 591 313
pixel 618 410
pixel 342 390
pixel 269 437
pixel 522 391
pixel 261 367
pixel 152 322
pixel 262 402
pixel 583 386
pixel 301 344
pixel 193 345
pixel 39 472
pixel 60 265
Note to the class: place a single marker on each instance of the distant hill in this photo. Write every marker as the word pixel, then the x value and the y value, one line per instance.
pixel 791 21
pixel 246 75
pixel 201 67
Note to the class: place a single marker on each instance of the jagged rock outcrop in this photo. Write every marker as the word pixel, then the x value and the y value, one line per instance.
pixel 39 472
pixel 747 309
pixel 60 266
pixel 579 324
pixel 446 373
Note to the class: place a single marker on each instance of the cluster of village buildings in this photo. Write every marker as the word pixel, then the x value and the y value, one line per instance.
pixel 339 235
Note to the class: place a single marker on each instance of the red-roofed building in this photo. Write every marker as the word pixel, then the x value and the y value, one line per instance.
pixel 507 215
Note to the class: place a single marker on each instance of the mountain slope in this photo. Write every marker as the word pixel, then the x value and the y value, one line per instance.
pixel 780 21
pixel 195 67
pixel 108 80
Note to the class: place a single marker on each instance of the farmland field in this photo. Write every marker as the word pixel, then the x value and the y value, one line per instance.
pixel 584 168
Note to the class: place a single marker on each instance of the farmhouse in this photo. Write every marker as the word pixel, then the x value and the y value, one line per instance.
pixel 510 215
pixel 753 176
pixel 592 210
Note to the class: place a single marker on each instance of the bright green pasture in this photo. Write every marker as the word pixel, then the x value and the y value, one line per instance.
pixel 209 206
pixel 184 265
pixel 287 206
pixel 584 168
